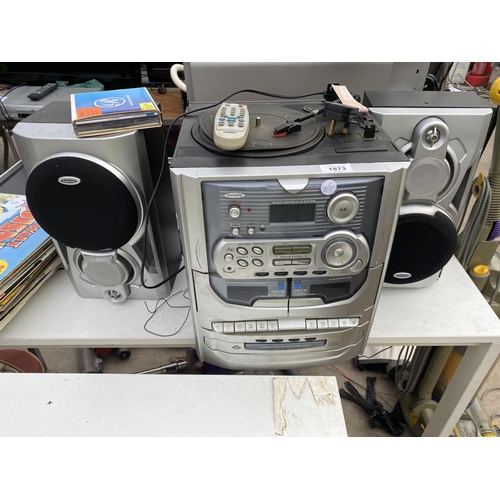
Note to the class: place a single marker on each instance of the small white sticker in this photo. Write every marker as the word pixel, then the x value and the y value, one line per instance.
pixel 339 167
pixel 329 187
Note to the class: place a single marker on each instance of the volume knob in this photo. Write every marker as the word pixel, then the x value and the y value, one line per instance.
pixel 234 211
pixel 342 208
pixel 339 253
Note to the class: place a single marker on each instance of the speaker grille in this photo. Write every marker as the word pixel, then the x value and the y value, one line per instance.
pixel 423 244
pixel 427 177
pixel 105 271
pixel 96 212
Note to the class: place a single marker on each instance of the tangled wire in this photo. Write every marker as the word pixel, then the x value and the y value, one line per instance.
pixel 379 416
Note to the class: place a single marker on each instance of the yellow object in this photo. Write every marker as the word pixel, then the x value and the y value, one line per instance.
pixel 480 270
pixel 495 91
pixel 477 187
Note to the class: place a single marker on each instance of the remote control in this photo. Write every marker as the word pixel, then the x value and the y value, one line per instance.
pixel 42 91
pixel 231 126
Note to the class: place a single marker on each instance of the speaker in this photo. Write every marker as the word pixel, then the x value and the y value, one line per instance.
pixel 443 134
pixel 90 195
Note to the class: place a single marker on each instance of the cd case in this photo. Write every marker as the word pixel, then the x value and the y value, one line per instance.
pixel 111 111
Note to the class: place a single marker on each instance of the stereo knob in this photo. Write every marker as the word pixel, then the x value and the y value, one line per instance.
pixel 339 253
pixel 234 211
pixel 342 208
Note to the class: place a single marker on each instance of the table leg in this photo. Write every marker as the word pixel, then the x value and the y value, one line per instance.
pixel 474 367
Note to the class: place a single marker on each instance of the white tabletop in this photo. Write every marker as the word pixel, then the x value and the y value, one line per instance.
pixel 57 316
pixel 449 312
pixel 170 405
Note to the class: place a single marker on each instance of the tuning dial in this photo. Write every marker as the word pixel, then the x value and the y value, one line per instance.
pixel 234 211
pixel 342 208
pixel 339 253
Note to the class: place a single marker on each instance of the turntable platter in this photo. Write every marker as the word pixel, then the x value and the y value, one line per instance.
pixel 261 143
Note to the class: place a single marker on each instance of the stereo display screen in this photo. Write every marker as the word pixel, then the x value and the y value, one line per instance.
pixel 300 212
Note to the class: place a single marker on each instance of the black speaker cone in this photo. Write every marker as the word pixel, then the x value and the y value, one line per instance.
pixel 424 243
pixel 82 204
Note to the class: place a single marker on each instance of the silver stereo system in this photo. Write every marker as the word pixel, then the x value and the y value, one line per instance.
pixel 443 134
pixel 286 240
pixel 90 196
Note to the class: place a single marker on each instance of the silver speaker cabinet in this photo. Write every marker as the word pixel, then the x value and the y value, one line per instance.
pixel 90 195
pixel 443 134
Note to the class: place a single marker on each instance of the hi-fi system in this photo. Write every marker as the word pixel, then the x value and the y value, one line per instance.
pixel 286 239
pixel 287 236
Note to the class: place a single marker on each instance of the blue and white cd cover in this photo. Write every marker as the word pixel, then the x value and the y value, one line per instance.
pixel 109 111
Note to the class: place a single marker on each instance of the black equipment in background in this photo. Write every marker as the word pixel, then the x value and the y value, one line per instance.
pixel 113 75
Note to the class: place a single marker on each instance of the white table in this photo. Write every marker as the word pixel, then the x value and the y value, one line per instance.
pixel 449 312
pixel 74 405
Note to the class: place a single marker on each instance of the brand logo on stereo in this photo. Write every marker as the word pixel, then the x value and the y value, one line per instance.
pixel 234 195
pixel 69 181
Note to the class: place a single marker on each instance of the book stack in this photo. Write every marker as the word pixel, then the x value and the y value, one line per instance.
pixel 111 111
pixel 28 256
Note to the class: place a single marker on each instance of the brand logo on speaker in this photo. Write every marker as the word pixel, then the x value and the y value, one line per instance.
pixel 402 276
pixel 69 181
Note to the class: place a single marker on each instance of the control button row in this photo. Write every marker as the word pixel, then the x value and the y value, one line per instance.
pixel 285 273
pixel 294 262
pixel 272 325
pixel 244 251
pixel 245 326
pixel 324 324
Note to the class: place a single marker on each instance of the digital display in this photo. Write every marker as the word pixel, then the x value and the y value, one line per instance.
pixel 293 212
pixel 291 250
